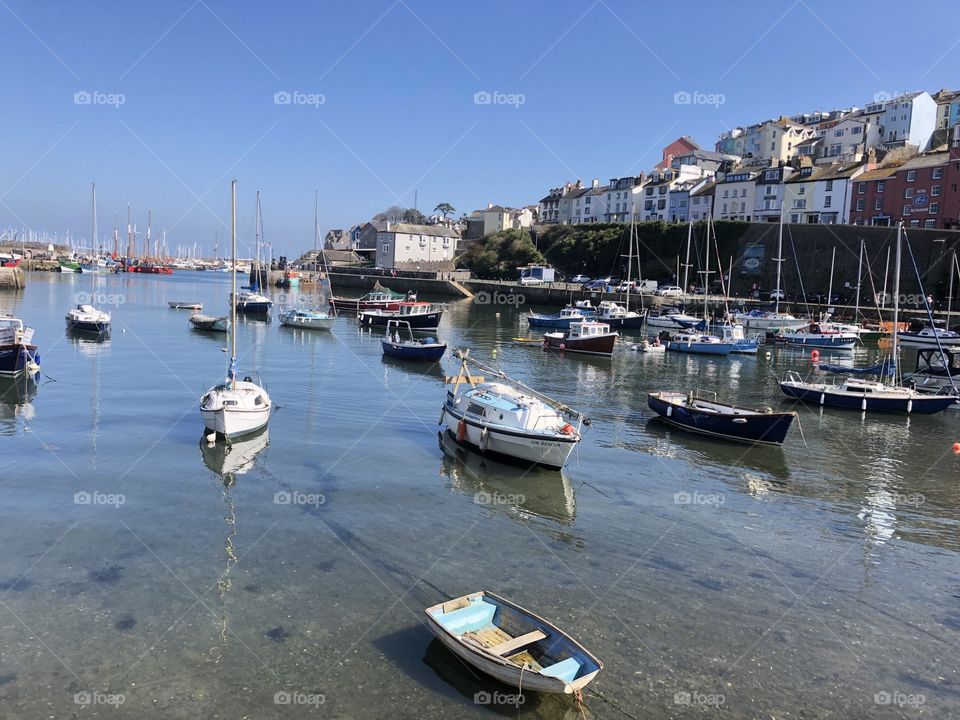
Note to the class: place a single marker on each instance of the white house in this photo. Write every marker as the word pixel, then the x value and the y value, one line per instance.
pixel 701 201
pixel 680 200
pixel 735 194
pixel 909 119
pixel 622 195
pixel 821 194
pixel 416 247
pixel 770 193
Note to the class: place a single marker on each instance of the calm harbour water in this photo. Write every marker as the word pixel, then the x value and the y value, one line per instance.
pixel 820 580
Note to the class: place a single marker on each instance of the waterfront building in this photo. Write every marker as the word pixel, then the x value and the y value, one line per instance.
pixel 623 194
pixel 908 119
pixel 821 194
pixel 735 194
pixel 404 246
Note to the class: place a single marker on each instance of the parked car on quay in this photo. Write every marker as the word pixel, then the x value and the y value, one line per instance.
pixel 670 291
pixel 580 279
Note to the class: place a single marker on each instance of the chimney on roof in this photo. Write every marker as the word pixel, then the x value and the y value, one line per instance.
pixel 595 183
pixel 489 205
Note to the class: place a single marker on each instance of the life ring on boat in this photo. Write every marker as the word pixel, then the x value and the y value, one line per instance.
pixel 815 355
pixel 461 431
pixel 567 429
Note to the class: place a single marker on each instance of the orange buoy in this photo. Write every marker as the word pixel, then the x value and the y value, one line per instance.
pixel 568 430
pixel 815 355
pixel 462 431
pixel 956 448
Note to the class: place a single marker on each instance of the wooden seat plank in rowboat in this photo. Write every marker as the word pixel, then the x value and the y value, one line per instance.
pixel 512 644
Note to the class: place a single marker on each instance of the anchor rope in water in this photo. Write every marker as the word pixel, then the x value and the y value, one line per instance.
pixel 596 693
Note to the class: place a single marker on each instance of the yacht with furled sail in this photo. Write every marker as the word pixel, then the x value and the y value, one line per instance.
pixel 86 317
pixel 235 408
pixel 508 419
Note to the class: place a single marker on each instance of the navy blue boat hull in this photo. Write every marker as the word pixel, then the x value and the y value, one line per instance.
pixel 14 359
pixel 254 308
pixel 763 428
pixel 926 405
pixel 91 328
pixel 425 321
pixel 422 353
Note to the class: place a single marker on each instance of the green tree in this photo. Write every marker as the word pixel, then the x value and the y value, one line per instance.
pixel 445 209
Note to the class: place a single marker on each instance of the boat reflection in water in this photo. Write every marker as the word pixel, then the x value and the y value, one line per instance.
pixel 227 461
pixel 16 406
pixel 765 459
pixel 519 491
pixel 498 697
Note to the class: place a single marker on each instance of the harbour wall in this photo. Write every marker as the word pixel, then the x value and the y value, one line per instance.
pixel 12 278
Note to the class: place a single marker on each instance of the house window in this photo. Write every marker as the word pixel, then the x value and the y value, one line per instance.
pixel 934 208
pixel 726 193
pixel 743 192
pixel 911 175
pixel 937 173
pixel 907 209
pixel 770 174
pixel 802 190
pixel 743 207
pixel 794 218
pixel 385 248
pixel 908 193
pixel 829 185
pixel 861 188
pixel 650 192
pixel 859 204
pixel 881 185
pixel 826 201
pixel 935 191
pixel 914 223
pixel 724 208
pixel 878 204
pixel 930 222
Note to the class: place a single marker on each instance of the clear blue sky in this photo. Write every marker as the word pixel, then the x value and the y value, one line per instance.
pixel 398 80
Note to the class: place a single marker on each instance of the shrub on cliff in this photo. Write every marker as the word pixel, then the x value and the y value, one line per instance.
pixel 497 256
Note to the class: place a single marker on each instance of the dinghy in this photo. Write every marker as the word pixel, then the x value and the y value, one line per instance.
pixel 307 319
pixel 706 416
pixel 210 324
pixel 512 644
pixel 176 305
pixel 399 342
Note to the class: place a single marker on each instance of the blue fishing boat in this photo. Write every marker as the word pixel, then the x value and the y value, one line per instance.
pixel 691 412
pixel 18 354
pixel 698 344
pixel 404 346
pixel 562 319
pixel 822 335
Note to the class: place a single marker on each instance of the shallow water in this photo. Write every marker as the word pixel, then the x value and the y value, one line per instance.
pixel 820 580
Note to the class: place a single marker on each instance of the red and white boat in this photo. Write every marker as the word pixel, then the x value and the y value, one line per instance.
pixel 380 298
pixel 587 337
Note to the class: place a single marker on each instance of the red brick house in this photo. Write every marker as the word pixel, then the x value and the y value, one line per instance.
pixel 913 192
pixel 681 146
pixel 951 193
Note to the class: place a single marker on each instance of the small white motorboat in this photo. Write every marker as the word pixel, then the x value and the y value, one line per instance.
pixel 88 319
pixel 175 305
pixel 512 644
pixel 307 319
pixel 509 419
pixel 650 346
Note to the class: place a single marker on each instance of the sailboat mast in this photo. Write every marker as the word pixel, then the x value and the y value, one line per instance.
pixel 856 308
pixel 146 243
pixel 257 233
pixel 93 222
pixel 686 263
pixel 953 262
pixel 233 283
pixel 833 258
pixel 316 221
pixel 779 260
pixel 706 275
pixel 629 264
pixel 896 295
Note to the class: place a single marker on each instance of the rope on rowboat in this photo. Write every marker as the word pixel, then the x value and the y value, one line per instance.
pixel 596 693
pixel 800 428
pixel 463 355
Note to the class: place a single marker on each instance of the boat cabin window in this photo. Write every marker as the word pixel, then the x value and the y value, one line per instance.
pixel 475 409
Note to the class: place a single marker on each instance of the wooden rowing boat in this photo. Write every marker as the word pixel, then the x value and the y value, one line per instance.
pixel 512 644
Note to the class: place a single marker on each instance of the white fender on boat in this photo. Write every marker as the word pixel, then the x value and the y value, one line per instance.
pixel 669 410
pixel 909 406
pixel 863 404
pixel 484 439
pixel 443 412
pixel 822 397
